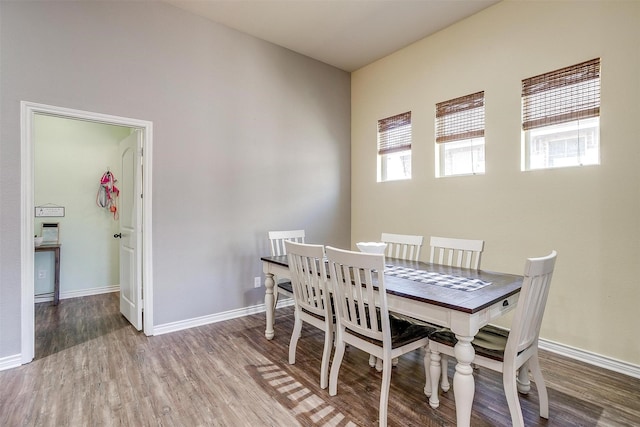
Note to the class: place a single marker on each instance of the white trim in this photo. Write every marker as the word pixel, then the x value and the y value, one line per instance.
pixel 43 298
pixel 79 293
pixel 561 349
pixel 605 362
pixel 147 224
pixel 215 318
pixel 9 362
pixel 27 112
pixel 26 241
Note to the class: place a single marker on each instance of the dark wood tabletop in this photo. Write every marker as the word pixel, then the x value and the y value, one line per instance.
pixel 503 285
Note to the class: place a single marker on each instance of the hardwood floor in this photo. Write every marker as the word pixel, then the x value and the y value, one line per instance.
pixel 93 369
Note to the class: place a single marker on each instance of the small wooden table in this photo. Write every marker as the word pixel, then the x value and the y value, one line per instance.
pixel 55 248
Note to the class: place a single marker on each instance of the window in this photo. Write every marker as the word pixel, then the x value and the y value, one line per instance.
pixel 460 136
pixel 561 117
pixel 394 147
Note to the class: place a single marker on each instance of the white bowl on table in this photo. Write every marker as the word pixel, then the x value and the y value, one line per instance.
pixel 372 247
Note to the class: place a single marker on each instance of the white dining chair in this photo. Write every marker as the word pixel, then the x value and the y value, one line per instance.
pixel 399 246
pixel 462 253
pixel 402 246
pixel 357 281
pixel 508 351
pixel 312 299
pixel 276 241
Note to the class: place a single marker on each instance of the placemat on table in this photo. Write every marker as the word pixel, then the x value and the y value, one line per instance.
pixel 445 280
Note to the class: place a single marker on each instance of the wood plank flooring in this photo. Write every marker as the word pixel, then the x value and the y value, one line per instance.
pixel 93 369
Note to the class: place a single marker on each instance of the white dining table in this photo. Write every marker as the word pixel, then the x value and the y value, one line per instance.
pixel 463 311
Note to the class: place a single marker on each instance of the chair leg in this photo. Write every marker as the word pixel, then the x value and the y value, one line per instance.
pixel 427 374
pixel 275 295
pixel 295 335
pixel 444 367
pixel 384 392
pixel 511 393
pixel 326 355
pixel 434 371
pixel 543 397
pixel 377 362
pixel 372 360
pixel 335 368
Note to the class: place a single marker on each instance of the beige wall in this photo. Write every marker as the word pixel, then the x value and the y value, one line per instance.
pixel 590 215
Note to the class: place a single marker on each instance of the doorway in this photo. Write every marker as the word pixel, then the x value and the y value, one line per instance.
pixel 144 270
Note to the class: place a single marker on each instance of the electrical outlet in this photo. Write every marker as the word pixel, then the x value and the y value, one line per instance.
pixel 42 274
pixel 257 282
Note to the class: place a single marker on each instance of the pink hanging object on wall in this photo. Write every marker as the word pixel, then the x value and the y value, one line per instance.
pixel 108 193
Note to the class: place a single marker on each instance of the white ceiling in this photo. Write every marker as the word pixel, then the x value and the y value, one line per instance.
pixel 347 34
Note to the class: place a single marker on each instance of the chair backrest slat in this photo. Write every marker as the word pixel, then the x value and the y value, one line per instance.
pixel 402 246
pixel 358 283
pixel 464 253
pixel 277 239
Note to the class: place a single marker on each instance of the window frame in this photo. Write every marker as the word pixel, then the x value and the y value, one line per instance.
pixel 566 99
pixel 459 122
pixel 394 139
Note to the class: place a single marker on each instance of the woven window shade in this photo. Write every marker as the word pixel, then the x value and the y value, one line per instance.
pixel 394 133
pixel 561 96
pixel 460 118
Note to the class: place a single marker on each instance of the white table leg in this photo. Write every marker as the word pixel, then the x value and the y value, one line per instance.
pixel 523 383
pixel 269 283
pixel 463 382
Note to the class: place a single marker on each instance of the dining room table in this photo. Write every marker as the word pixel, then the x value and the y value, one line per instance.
pixel 463 300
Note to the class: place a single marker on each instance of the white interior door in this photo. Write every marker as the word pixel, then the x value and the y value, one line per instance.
pixel 130 233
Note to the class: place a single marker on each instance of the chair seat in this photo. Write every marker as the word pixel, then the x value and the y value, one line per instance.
pixel 318 316
pixel 286 286
pixel 415 321
pixel 489 342
pixel 402 332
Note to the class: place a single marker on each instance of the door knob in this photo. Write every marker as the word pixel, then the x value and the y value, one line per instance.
pixel 118 236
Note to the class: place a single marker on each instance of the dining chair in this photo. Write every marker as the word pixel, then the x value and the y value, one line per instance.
pixel 400 246
pixel 277 240
pixel 362 317
pixel 312 300
pixel 462 253
pixel 508 351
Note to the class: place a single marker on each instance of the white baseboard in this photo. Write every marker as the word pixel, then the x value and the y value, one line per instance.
pixel 554 347
pixel 214 318
pixel 9 362
pixel 79 293
pixel 561 349
pixel 591 358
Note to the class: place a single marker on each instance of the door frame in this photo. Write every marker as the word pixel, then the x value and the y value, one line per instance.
pixel 28 110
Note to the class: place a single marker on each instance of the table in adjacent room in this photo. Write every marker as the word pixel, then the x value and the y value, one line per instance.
pixel 55 248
